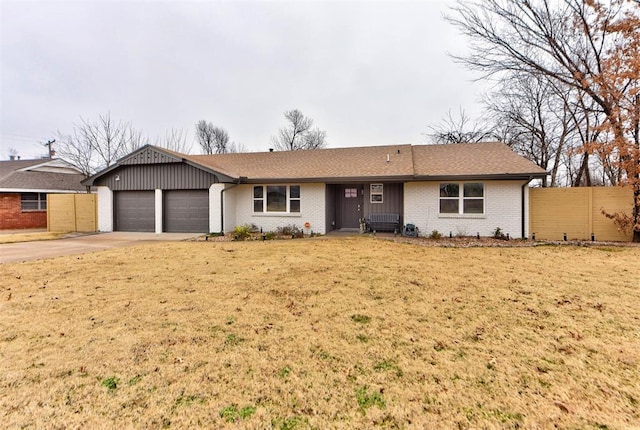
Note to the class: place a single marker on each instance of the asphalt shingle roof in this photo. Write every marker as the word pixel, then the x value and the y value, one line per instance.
pixel 399 162
pixel 471 159
pixel 339 163
pixel 13 177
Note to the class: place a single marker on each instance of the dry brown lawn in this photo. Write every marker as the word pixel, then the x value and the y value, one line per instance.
pixel 30 236
pixel 316 333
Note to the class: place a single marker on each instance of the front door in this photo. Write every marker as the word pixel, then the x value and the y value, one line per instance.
pixel 350 201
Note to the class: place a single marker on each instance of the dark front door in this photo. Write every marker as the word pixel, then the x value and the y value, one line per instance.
pixel 350 200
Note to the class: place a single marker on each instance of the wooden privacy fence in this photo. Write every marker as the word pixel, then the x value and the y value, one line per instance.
pixel 576 212
pixel 72 212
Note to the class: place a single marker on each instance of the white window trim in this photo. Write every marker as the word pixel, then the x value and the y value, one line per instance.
pixel 264 211
pixel 40 201
pixel 461 199
pixel 377 193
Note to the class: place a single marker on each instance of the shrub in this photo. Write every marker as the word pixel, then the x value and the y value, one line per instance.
pixel 242 232
pixel 499 234
pixel 290 230
pixel 435 234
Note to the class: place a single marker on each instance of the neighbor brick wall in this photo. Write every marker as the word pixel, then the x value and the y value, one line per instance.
pixel 503 208
pixel 12 217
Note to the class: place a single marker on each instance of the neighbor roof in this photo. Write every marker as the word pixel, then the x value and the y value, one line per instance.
pixel 28 175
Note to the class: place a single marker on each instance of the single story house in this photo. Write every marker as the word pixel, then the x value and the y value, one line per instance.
pixel 24 185
pixel 465 189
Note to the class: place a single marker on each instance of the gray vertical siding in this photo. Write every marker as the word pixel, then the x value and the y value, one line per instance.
pixel 330 207
pixel 150 156
pixel 174 176
pixel 392 200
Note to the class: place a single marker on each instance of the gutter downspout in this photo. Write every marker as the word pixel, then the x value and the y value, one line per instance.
pixel 235 184
pixel 523 204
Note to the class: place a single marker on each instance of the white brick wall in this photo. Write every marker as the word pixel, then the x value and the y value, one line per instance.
pixel 105 209
pixel 312 210
pixel 503 208
pixel 158 209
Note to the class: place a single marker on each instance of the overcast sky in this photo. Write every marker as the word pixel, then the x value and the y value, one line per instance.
pixel 368 73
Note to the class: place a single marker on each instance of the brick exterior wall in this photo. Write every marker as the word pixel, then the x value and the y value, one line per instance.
pixel 312 210
pixel 12 217
pixel 503 208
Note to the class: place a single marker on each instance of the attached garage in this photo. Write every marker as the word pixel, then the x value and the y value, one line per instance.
pixel 186 211
pixel 134 211
pixel 157 190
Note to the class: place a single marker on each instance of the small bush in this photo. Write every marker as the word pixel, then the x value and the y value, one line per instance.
pixel 499 234
pixel 242 232
pixel 435 234
pixel 461 231
pixel 290 230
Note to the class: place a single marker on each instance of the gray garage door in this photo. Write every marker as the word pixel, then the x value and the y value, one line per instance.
pixel 134 210
pixel 186 211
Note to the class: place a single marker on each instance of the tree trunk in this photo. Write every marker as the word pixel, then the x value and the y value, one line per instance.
pixel 636 212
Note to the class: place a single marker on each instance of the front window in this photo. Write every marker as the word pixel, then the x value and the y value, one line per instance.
pixel 33 202
pixel 376 193
pixel 276 198
pixel 462 198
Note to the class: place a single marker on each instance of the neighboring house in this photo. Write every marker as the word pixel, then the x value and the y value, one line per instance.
pixel 24 185
pixel 458 188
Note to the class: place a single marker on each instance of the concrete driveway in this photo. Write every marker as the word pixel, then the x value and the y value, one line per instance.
pixel 25 251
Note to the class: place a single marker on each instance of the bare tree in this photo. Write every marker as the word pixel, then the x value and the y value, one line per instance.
pixel 176 140
pixel 590 46
pixel 212 139
pixel 459 130
pixel 535 119
pixel 297 134
pixel 235 147
pixel 95 145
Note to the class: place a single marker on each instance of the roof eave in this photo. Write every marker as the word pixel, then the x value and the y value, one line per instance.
pixel 486 177
pixel 41 190
pixel 329 180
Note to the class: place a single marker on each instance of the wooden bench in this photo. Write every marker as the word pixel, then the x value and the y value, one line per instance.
pixel 383 222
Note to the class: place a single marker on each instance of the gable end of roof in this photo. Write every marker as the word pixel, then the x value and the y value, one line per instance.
pixel 149 155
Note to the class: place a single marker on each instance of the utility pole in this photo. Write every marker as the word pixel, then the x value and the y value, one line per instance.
pixel 52 152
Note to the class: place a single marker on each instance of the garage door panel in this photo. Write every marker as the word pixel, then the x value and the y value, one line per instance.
pixel 186 211
pixel 134 210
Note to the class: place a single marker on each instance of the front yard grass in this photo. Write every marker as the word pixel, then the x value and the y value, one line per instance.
pixel 349 333
pixel 30 236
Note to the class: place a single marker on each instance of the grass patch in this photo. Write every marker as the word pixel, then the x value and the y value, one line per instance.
pixel 232 413
pixel 185 335
pixel 30 237
pixel 111 383
pixel 361 319
pixel 369 398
